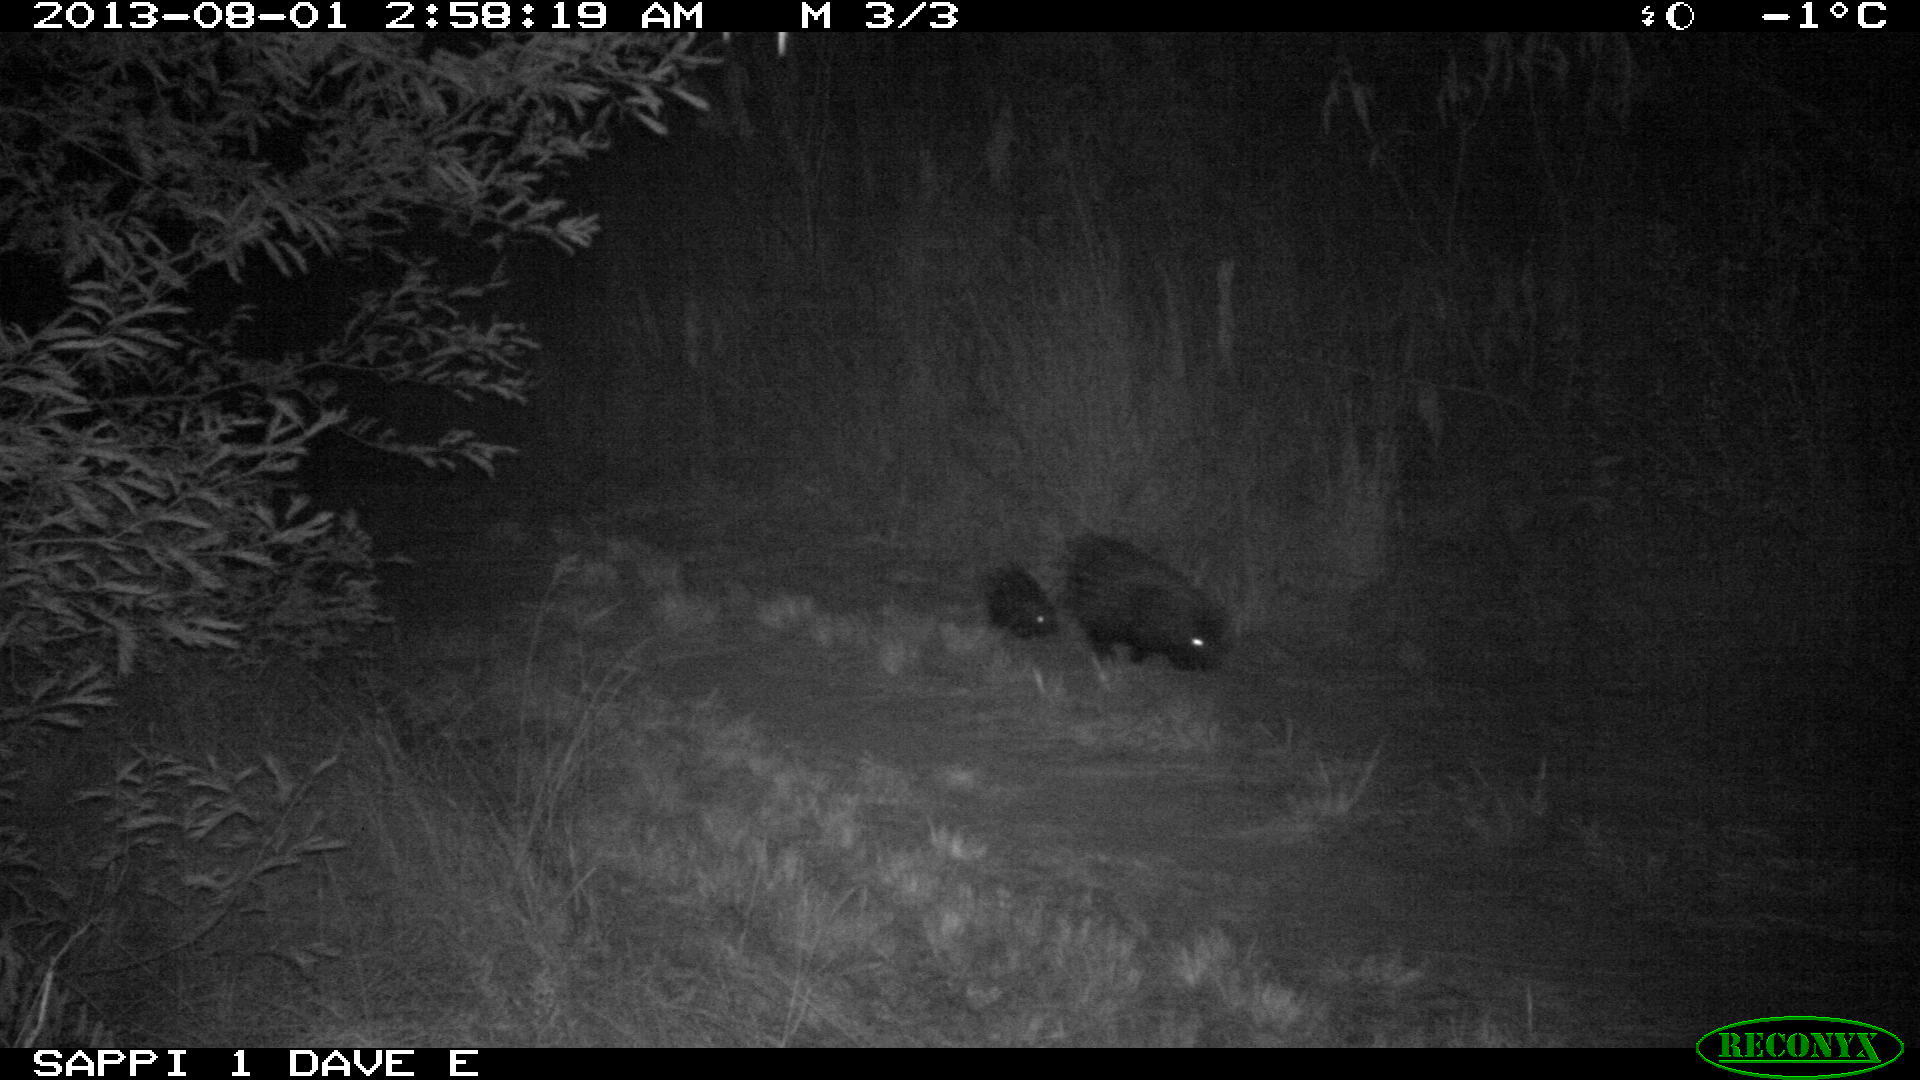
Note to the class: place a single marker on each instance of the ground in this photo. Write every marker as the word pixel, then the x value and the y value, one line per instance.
pixel 1618 868
pixel 1421 859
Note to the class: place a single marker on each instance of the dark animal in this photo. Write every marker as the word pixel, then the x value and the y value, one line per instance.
pixel 1120 595
pixel 1018 604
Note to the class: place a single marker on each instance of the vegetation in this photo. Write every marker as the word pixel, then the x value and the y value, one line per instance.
pixel 150 437
pixel 1527 400
pixel 146 438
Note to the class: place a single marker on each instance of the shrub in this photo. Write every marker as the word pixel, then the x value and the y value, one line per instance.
pixel 147 450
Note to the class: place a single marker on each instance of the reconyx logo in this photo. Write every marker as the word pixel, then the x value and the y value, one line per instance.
pixel 1799 1047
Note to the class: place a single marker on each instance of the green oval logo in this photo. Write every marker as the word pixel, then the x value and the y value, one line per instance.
pixel 1799 1047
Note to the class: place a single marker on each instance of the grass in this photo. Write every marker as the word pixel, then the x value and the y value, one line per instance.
pixel 516 839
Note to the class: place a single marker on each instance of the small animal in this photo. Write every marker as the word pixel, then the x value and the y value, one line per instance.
pixel 1017 604
pixel 1120 595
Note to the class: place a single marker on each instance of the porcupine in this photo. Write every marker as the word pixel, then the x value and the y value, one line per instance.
pixel 1120 595
pixel 1017 603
